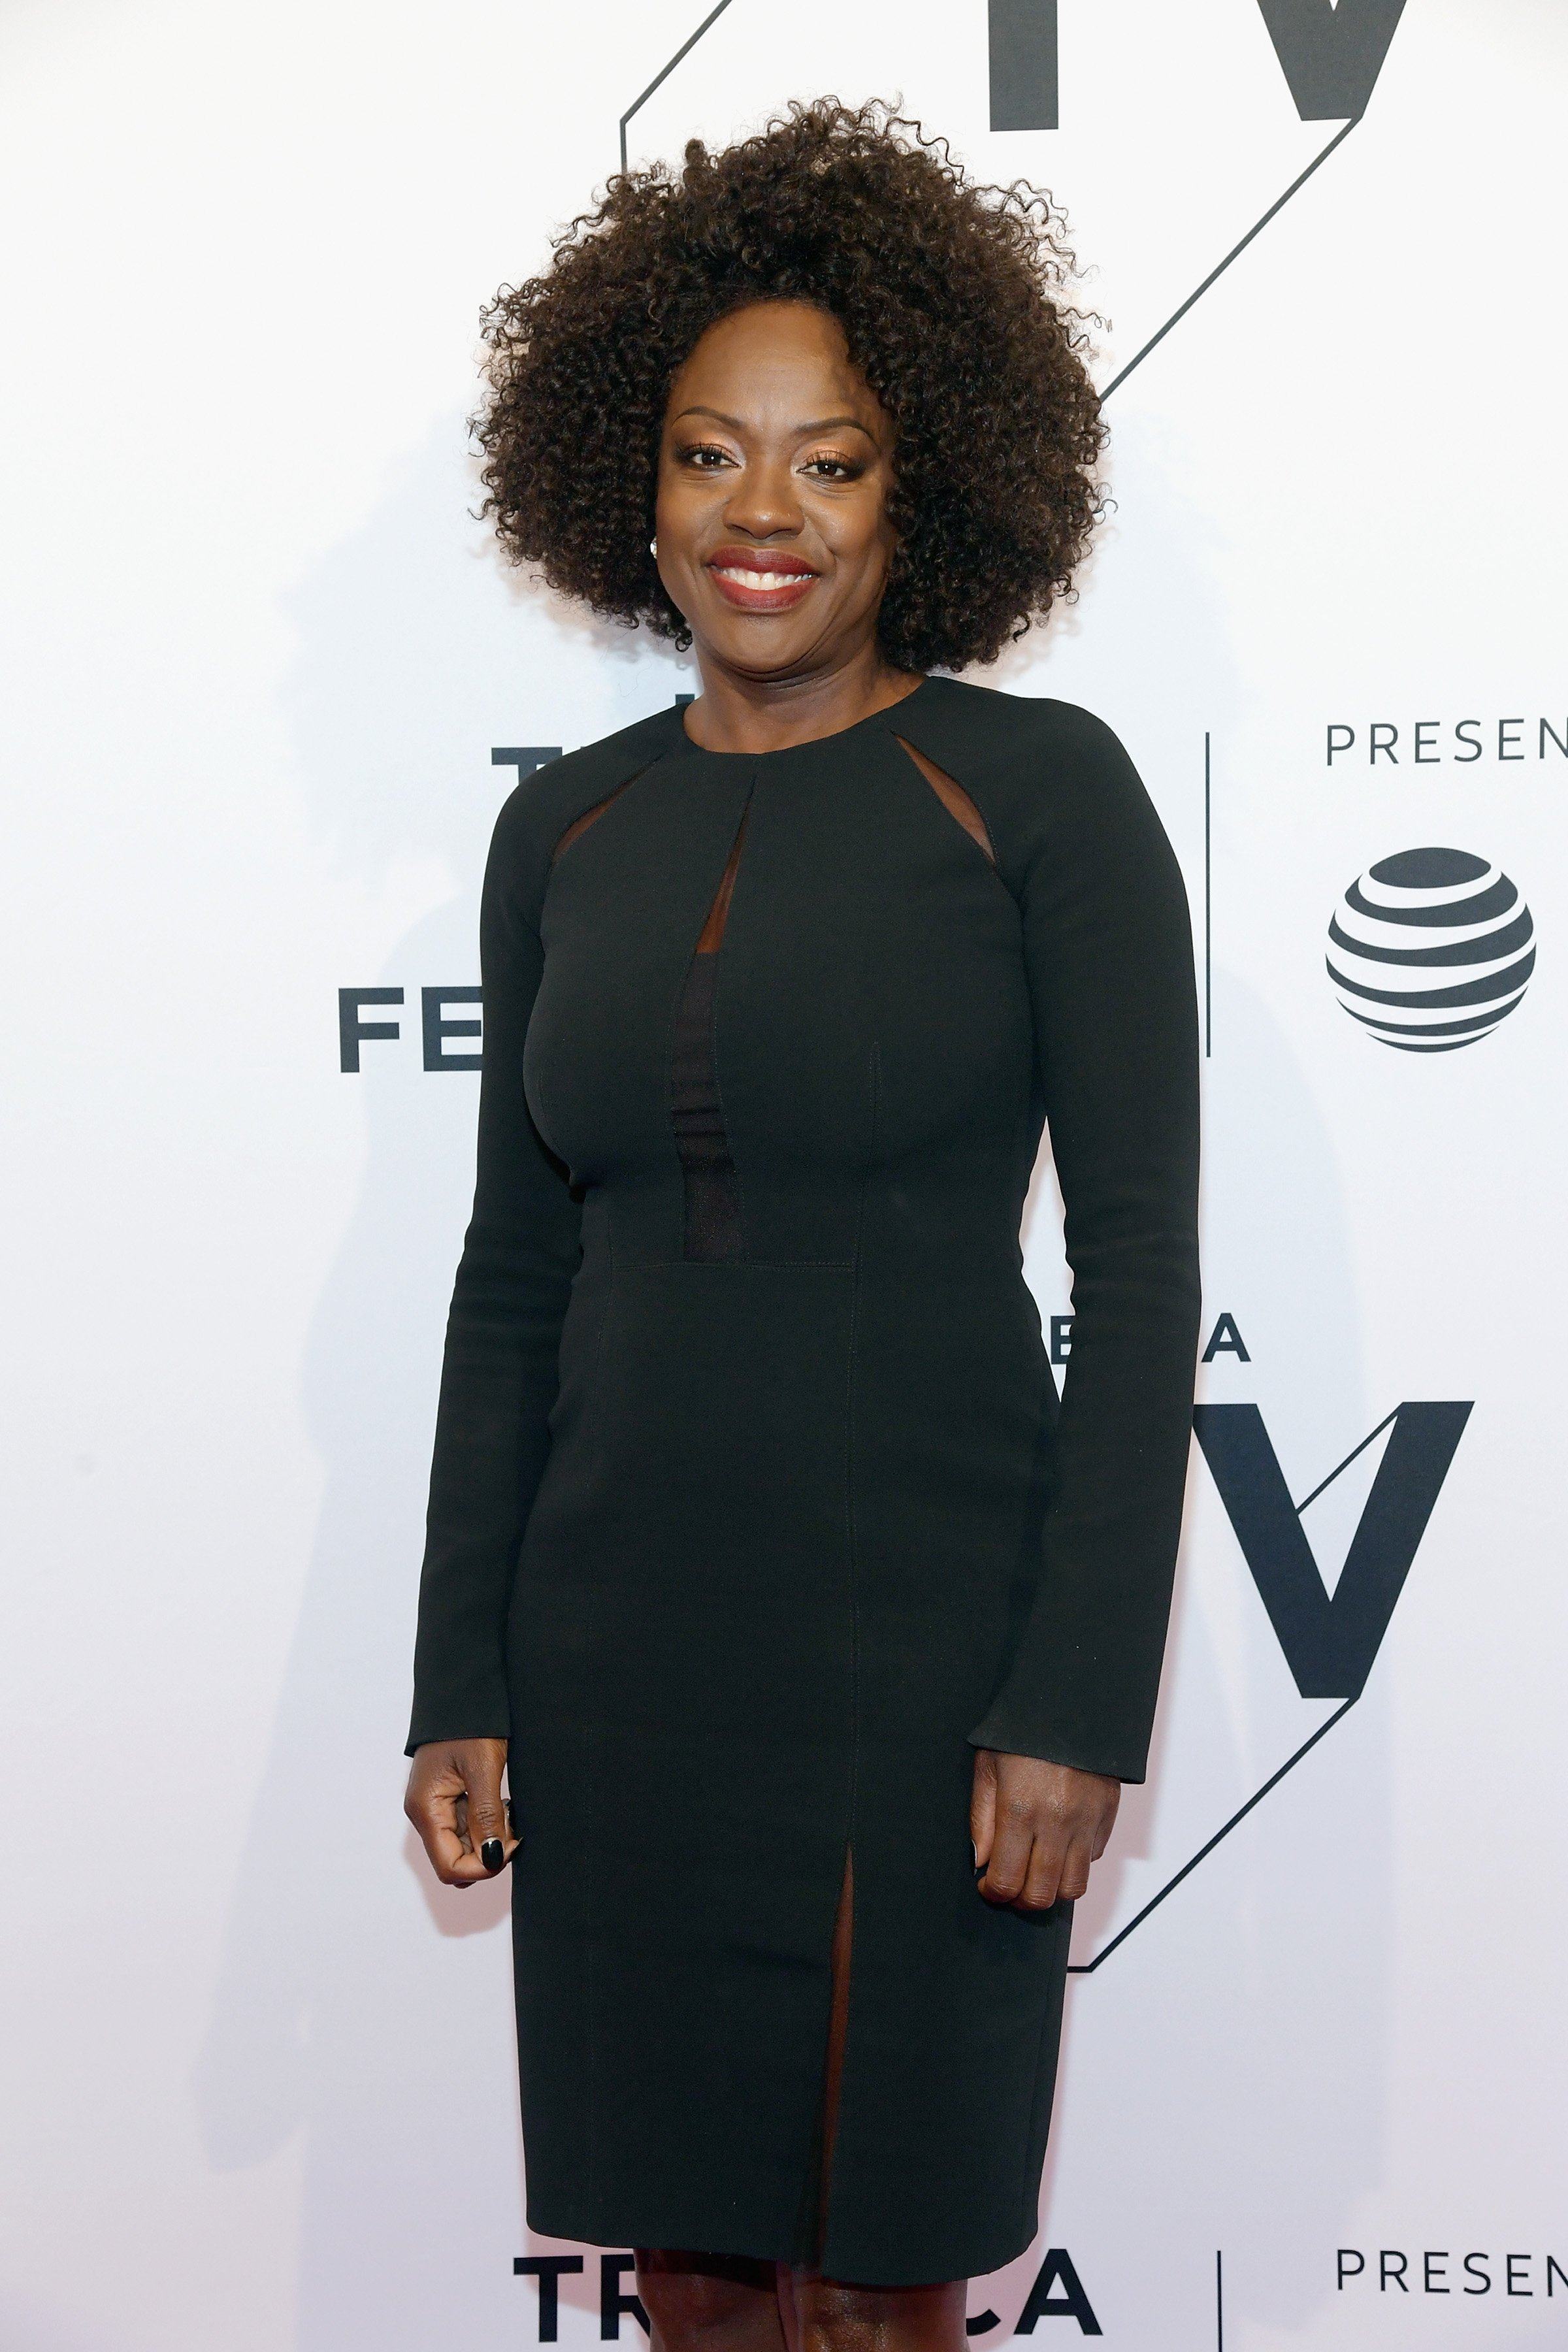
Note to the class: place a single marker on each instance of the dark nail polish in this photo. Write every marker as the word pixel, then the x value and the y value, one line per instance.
pixel 492 1853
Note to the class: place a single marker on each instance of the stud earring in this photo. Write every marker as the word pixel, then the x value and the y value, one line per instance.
pixel 653 547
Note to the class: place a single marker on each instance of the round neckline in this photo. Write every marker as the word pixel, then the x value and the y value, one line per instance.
pixel 811 742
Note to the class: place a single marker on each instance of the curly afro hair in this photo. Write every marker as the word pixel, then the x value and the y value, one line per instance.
pixel 950 297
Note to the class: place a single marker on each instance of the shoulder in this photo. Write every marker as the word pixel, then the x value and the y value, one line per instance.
pixel 535 814
pixel 1051 779
pixel 1031 741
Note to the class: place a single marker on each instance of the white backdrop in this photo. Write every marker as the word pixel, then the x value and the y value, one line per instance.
pixel 259 2084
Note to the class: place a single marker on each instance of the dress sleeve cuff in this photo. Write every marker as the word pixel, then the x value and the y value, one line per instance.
pixel 1005 1736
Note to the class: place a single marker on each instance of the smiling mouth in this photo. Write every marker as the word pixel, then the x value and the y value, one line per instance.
pixel 762 585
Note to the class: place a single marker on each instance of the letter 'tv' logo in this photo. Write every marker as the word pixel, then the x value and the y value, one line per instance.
pixel 1331 56
pixel 1330 1642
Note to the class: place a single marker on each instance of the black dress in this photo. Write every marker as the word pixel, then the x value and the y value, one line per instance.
pixel 752 1511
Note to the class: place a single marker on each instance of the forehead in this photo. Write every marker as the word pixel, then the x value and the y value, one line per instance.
pixel 773 354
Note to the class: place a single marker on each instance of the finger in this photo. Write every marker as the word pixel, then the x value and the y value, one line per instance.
pixel 982 1807
pixel 432 1805
pixel 1074 1879
pixel 449 1856
pixel 1007 1867
pixel 1042 1880
pixel 488 1828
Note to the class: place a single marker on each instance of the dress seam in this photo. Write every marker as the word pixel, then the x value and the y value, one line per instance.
pixel 737 850
pixel 590 1985
pixel 1028 2222
pixel 852 1547
pixel 851 1530
pixel 751 1265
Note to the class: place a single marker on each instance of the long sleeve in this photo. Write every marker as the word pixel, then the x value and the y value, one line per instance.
pixel 499 1377
pixel 1108 947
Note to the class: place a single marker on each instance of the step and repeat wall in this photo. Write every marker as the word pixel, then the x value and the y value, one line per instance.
pixel 269 685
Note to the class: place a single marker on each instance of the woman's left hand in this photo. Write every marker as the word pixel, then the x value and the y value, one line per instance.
pixel 1037 1828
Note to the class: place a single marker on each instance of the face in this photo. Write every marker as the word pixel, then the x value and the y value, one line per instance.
pixel 774 476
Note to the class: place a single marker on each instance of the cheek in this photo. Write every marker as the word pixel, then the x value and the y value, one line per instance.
pixel 874 549
pixel 679 509
pixel 861 538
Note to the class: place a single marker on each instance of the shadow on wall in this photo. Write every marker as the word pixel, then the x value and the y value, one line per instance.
pixel 1222 2072
pixel 339 2014
pixel 331 2016
pixel 1224 2067
pixel 417 644
pixel 1250 2012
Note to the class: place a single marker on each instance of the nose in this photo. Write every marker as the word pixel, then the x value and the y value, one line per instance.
pixel 763 503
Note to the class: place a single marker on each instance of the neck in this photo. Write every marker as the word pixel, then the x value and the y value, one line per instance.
pixel 737 712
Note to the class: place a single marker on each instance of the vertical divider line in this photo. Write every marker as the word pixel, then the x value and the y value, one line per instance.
pixel 1219 2300
pixel 1206 906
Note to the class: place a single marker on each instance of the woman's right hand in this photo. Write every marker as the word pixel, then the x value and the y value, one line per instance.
pixel 455 1803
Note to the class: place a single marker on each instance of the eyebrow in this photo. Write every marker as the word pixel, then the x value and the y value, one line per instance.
pixel 821 424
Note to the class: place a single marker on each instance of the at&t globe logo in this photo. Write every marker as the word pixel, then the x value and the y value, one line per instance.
pixel 1430 949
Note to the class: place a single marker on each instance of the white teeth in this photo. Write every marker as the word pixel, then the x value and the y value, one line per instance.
pixel 764 579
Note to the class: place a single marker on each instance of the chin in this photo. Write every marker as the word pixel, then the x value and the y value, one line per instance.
pixel 761 640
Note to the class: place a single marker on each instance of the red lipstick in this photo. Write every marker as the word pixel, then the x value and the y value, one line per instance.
pixel 761 579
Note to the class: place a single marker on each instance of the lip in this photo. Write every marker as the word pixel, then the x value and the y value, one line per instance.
pixel 790 577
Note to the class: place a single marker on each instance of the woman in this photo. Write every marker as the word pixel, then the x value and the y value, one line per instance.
pixel 815 1645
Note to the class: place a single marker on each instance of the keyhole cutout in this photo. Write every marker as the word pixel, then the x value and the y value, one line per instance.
pixel 712 932
pixel 953 798
pixel 579 824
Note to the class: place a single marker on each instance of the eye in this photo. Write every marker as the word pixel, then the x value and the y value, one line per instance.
pixel 828 468
pixel 703 456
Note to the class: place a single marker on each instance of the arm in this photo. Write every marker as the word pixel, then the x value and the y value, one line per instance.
pixel 1109 951
pixel 498 1384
